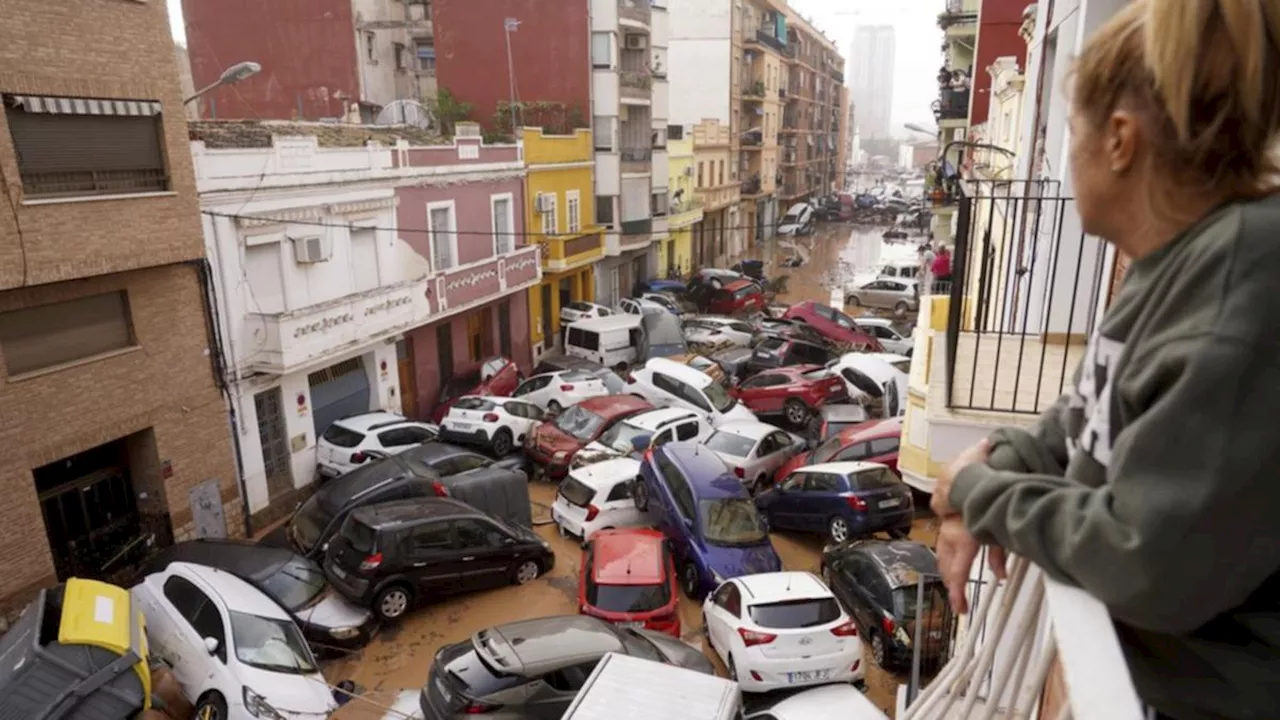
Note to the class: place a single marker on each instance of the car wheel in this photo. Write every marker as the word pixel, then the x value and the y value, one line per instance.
pixel 501 443
pixel 211 707
pixel 852 301
pixel 901 309
pixel 689 580
pixel 392 602
pixel 526 572
pixel 877 648
pixel 796 411
pixel 554 408
pixel 838 529
pixel 641 496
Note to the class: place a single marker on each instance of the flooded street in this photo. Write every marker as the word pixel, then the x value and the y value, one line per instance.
pixel 399 658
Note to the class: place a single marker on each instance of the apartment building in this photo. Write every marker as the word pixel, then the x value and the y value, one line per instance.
pixel 318 57
pixel 872 57
pixel 685 220
pixel 814 115
pixel 114 424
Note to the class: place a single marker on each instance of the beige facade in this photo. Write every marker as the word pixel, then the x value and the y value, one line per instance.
pixel 717 191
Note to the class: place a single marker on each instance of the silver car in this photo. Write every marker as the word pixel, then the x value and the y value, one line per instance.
pixel 897 295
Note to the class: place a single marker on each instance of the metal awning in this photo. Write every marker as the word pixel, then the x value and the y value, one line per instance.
pixel 84 106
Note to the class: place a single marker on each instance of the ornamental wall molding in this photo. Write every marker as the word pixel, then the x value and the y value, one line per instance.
pixel 323 324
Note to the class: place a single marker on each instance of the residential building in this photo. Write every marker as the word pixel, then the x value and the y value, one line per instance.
pixel 318 57
pixel 758 78
pixel 717 191
pixel 609 64
pixel 959 22
pixel 114 422
pixel 813 119
pixel 916 154
pixel 871 63
pixel 559 209
pixel 844 156
pixel 675 257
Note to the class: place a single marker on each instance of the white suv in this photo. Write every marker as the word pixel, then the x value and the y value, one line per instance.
pixel 667 383
pixel 498 423
pixel 658 426
pixel 353 441
pixel 555 391
pixel 782 630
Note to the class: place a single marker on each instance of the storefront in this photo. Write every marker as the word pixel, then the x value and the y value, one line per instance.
pixel 547 298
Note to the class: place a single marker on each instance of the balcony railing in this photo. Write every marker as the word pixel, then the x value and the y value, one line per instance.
pixel 637 227
pixel 635 10
pixel 635 83
pixel 751 186
pixel 94 182
pixel 764 37
pixel 636 154
pixel 952 104
pixel 561 252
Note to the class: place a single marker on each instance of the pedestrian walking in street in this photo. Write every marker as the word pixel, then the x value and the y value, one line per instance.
pixel 1152 483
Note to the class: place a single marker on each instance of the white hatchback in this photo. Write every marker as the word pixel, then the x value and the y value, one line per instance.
pixel 782 630
pixel 498 423
pixel 352 441
pixel 575 311
pixel 716 330
pixel 598 497
pixel 555 391
pixel 890 339
pixel 667 383
pixel 233 650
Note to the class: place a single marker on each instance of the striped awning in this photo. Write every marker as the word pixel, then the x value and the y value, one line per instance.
pixel 84 106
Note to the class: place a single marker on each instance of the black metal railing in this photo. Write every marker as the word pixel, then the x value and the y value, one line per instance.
pixel 1026 287
pixel 952 104
pixel 636 154
pixel 637 227
pixel 767 38
pixel 94 182
pixel 751 186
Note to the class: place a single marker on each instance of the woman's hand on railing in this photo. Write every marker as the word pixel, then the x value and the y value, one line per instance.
pixel 941 502
pixel 957 549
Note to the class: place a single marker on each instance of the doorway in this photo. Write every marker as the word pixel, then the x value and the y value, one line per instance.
pixel 548 333
pixel 408 380
pixel 338 391
pixel 274 440
pixel 504 329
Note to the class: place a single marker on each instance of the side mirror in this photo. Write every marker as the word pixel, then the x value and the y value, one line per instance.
pixel 508 541
pixel 211 645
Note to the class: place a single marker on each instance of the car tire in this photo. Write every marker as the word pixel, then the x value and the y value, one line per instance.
pixel 689 580
pixel 796 412
pixel 852 301
pixel 900 309
pixel 525 572
pixel 211 707
pixel 878 648
pixel 502 443
pixel 640 494
pixel 838 529
pixel 392 602
pixel 554 408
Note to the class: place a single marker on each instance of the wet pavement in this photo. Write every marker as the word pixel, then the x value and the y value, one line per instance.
pixel 399 657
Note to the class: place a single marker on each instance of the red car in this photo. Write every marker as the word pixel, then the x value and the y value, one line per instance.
pixel 834 326
pixel 553 445
pixel 740 297
pixel 496 376
pixel 629 578
pixel 793 392
pixel 872 441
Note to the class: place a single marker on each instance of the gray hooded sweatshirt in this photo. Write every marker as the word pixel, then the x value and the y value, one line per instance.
pixel 1155 483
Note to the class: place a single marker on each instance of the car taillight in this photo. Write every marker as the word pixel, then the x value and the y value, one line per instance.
pixel 630 379
pixel 358 457
pixel 888 624
pixel 856 503
pixel 566 388
pixel 751 637
pixel 592 512
pixel 478 708
pixel 490 417
pixel 846 630
pixel 740 472
pixel 439 489
pixel 371 562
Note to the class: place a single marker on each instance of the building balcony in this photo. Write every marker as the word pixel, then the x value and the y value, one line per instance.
pixel 637 227
pixel 566 251
pixel 765 38
pixel 753 92
pixel 636 159
pixel 465 287
pixel 635 84
pixel 684 213
pixel 635 11
pixel 951 105
pixel 717 197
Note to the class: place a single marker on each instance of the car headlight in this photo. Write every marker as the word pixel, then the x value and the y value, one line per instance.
pixel 560 456
pixel 258 706
pixel 344 633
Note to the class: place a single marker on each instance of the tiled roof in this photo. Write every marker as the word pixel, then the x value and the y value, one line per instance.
pixel 257 133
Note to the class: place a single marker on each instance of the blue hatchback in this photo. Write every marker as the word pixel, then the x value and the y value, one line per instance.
pixel 714 528
pixel 842 499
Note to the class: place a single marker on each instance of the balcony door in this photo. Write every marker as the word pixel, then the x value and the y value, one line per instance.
pixel 276 458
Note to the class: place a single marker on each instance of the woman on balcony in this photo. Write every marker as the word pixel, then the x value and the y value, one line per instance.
pixel 1155 483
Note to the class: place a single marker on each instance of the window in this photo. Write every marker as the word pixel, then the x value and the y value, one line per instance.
pixel 364 259
pixel 74 147
pixel 403 436
pixel 548 213
pixel 440 230
pixel 699 174
pixel 882 446
pixel 821 482
pixel 620 492
pixel 427 59
pixel 658 203
pixel 604 210
pixel 502 211
pixel 601 50
pixel 675 132
pixel 876 479
pixel 730 599
pixel 687 431
pixel 369 39
pixel 721 172
pixel 402 61
pixel 858 451
pixel 44 336
pixel 573 211
pixel 602 132
pixel 431 538
pixel 475 534
pixel 195 608
pixel 681 492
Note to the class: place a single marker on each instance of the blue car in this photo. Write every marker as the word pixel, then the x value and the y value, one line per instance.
pixel 714 529
pixel 841 499
pixel 675 287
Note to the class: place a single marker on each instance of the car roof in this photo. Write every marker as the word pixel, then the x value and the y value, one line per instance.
pixel 707 474
pixel 679 371
pixel 843 468
pixel 875 368
pixel 237 595
pixel 887 357
pixel 901 561
pixel 872 429
pixel 620 321
pixel 753 429
pixel 540 645
pixel 245 559
pixel 872 321
pixel 654 419
pixel 606 473
pixel 364 422
pixel 614 405
pixel 717 319
pixel 400 512
pixel 792 371
pixel 628 557
pixel 781 586
pixel 433 450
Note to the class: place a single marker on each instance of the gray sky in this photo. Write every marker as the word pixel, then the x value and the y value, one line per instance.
pixel 917 36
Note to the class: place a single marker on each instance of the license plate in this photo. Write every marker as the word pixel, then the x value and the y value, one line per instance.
pixel 808 676
pixel 631 625
pixel 339 572
pixel 890 503
pixel 328 471
pixel 465 427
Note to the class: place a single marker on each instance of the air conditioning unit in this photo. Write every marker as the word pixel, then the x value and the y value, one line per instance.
pixel 312 249
pixel 544 203
pixel 688 172
pixel 636 42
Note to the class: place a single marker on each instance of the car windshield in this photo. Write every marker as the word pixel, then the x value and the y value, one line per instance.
pixel 719 397
pixel 621 436
pixel 628 598
pixel 310 522
pixel 818 374
pixel 638 646
pixel 270 644
pixel 728 443
pixel 794 614
pixel 295 585
pixel 579 306
pixel 342 437
pixel 579 423
pixel 732 521
pixel 476 676
pixel 460 385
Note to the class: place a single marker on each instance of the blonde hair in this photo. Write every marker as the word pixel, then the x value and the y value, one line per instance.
pixel 1205 77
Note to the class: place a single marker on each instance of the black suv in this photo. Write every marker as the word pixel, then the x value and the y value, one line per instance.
pixel 779 351
pixel 392 555
pixel 877 583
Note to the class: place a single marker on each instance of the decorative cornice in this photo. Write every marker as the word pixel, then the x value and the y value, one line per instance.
pixel 277 217
pixel 351 208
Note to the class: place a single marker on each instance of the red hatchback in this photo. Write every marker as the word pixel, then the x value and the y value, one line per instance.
pixel 496 376
pixel 553 445
pixel 834 326
pixel 740 297
pixel 793 392
pixel 872 441
pixel 629 578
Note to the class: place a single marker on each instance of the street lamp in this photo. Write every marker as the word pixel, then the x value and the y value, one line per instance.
pixel 233 74
pixel 922 130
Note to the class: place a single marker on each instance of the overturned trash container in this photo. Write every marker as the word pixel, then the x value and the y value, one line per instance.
pixel 79 652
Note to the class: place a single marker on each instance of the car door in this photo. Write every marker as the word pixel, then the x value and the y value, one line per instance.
pixel 784 510
pixel 761 393
pixel 680 511
pixel 724 614
pixel 860 576
pixel 818 502
pixel 486 553
pixel 194 617
pixel 433 562
pixel 619 506
pixel 399 439
pixel 779 447
pixel 523 417
pixel 534 390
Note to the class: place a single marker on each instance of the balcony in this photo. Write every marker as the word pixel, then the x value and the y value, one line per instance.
pixel 766 38
pixel 684 213
pixel 752 187
pixel 635 11
pixel 951 105
pixel 636 159
pixel 635 84
pixel 566 252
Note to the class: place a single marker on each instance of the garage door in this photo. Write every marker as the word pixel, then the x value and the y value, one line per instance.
pixel 337 391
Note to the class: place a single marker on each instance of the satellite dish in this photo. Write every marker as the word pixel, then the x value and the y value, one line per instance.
pixel 406 112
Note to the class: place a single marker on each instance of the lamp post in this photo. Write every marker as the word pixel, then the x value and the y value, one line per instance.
pixel 231 75
pixel 922 130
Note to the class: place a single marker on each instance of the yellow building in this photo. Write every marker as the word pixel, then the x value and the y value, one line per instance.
pixel 717 191
pixel 560 198
pixel 686 209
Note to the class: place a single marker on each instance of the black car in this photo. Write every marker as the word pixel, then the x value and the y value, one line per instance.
pixel 327 619
pixel 877 583
pixel 783 327
pixel 431 470
pixel 559 362
pixel 775 352
pixel 393 555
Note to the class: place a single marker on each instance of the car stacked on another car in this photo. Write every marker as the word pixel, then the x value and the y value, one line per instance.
pixel 713 333
pixel 890 339
pixel 754 450
pixel 636 433
pixel 780 351
pixel 874 441
pixel 666 383
pixel 352 441
pixel 495 376
pixel 498 423
pixel 553 445
pixel 574 311
pixel 794 392
pixel 598 497
pixel 555 391
pixel 834 325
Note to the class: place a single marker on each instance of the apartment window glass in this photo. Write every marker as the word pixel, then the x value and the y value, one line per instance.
pixel 71 147
pixel 601 50
pixel 699 174
pixel 573 211
pixel 369 39
pixel 658 203
pixel 427 59
pixel 721 172
pixel 364 259
pixel 401 60
pixel 504 241
pixel 47 335
pixel 604 209
pixel 602 132
pixel 548 213
pixel 443 241
pixel 675 132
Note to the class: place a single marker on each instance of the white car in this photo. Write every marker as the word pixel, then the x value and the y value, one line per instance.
pixel 575 311
pixel 498 423
pixel 657 427
pixel 754 450
pixel 874 381
pixel 665 300
pixel 890 339
pixel 901 363
pixel 782 630
pixel 234 651
pixel 555 391
pixel 633 306
pixel 598 497
pixel 828 702
pixel 667 383
pixel 347 443
pixel 718 329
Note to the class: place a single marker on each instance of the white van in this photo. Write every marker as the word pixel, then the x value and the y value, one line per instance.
pixel 797 221
pixel 900 270
pixel 616 341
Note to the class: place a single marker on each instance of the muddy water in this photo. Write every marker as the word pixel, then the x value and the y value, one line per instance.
pixel 399 657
